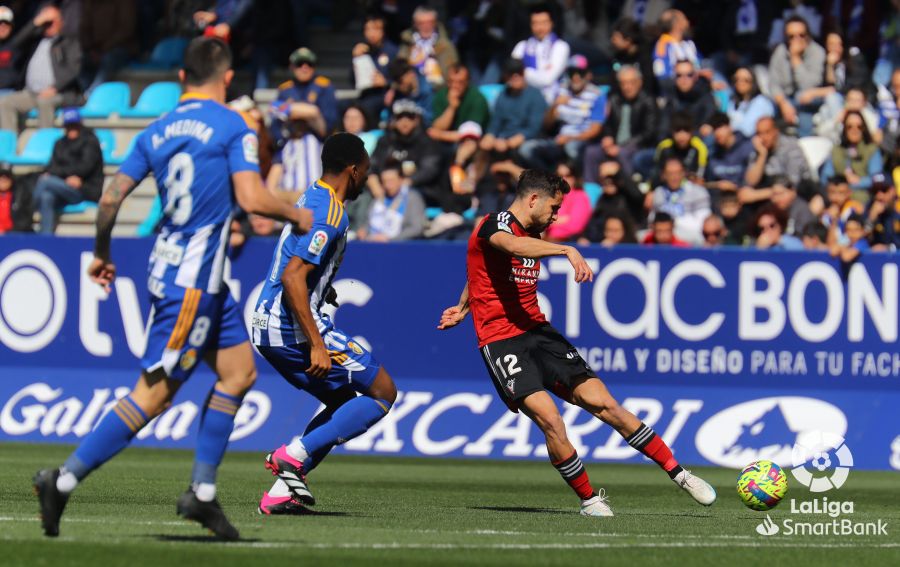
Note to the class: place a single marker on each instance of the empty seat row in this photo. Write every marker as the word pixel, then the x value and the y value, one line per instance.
pixel 114 99
pixel 39 148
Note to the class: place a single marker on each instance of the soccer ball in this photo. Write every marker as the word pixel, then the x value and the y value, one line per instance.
pixel 762 485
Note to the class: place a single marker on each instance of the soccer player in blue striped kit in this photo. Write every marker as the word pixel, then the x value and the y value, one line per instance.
pixel 204 157
pixel 300 341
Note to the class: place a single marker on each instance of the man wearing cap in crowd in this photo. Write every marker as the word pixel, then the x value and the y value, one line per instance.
pixel 307 96
pixel 75 172
pixel 579 111
pixel 883 215
pixel 51 71
pixel 9 53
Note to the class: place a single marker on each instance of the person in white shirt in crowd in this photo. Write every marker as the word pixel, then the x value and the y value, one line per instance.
pixel 687 202
pixel 544 54
pixel 399 214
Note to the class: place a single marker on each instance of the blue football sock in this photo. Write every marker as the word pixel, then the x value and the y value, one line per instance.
pixel 319 420
pixel 115 431
pixel 215 428
pixel 348 421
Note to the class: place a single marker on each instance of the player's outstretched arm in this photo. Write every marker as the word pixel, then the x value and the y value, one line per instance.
pixel 101 269
pixel 537 248
pixel 253 197
pixel 453 316
pixel 294 280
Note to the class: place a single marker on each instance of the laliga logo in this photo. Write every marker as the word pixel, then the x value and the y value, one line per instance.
pixel 817 453
pixel 32 301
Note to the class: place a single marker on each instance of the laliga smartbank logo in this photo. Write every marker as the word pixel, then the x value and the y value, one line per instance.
pixel 821 462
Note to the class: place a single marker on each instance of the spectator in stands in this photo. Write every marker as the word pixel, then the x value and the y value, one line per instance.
pixel 354 119
pixel 9 53
pixel 631 125
pixel 421 161
pixel 579 111
pixel 371 63
pixel 619 192
pixel 729 156
pixel 747 105
pixel 108 39
pixel 736 218
pixel 683 146
pixel 860 20
pixel 673 46
pixel 609 230
pixel 630 50
pixel 75 172
pixel 714 231
pixel 798 8
pixel 815 237
pixel 883 215
pixel 7 198
pixel 796 74
pixel 845 69
pixel 298 162
pixel 518 113
pixel 51 71
pixel 691 95
pixel 575 210
pixel 785 197
pixel 830 119
pixel 687 202
pixel 889 112
pixel 769 230
pixel 428 47
pixel 854 241
pixel 399 214
pixel 775 155
pixel 544 54
pixel 840 206
pixel 408 84
pixel 221 17
pixel 857 157
pixel 662 232
pixel 307 96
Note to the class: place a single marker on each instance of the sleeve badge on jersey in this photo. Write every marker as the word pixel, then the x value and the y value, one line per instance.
pixel 250 144
pixel 318 242
pixel 504 227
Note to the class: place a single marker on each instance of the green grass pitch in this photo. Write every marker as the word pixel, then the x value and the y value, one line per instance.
pixel 419 511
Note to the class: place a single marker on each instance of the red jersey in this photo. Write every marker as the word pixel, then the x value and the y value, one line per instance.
pixel 502 288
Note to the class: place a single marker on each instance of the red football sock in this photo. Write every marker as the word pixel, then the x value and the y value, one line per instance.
pixel 650 444
pixel 572 471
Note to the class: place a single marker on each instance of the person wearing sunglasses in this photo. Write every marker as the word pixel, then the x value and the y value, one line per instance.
pixel 796 66
pixel 714 231
pixel 769 229
pixel 857 157
pixel 307 96
pixel 883 215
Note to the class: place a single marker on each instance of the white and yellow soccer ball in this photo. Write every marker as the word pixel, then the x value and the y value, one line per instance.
pixel 761 485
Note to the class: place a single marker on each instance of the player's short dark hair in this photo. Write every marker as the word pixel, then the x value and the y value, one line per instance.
pixel 342 150
pixel 544 183
pixel 662 217
pixel 205 59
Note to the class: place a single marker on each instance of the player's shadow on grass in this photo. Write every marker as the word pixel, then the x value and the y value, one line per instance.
pixel 519 509
pixel 171 538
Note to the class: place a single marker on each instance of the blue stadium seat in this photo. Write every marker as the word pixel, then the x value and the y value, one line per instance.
pixel 370 139
pixel 107 143
pixel 155 100
pixel 593 191
pixel 39 147
pixel 167 54
pixel 78 207
pixel 7 145
pixel 491 92
pixel 106 99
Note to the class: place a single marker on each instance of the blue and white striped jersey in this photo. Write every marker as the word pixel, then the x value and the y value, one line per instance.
pixel 273 323
pixel 580 110
pixel 301 159
pixel 192 152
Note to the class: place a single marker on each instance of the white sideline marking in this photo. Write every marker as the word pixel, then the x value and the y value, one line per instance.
pixel 562 546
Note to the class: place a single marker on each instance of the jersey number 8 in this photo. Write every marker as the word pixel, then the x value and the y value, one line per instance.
pixel 179 180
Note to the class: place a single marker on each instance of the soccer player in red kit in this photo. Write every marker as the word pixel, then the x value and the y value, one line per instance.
pixel 526 357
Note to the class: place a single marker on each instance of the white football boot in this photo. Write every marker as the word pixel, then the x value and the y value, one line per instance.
pixel 597 506
pixel 699 489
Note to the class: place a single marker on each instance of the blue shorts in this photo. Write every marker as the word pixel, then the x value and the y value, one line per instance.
pixel 351 364
pixel 187 323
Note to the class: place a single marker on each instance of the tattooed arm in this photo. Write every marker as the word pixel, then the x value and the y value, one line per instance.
pixel 102 270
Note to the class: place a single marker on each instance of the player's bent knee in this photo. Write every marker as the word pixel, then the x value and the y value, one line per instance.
pixel 383 388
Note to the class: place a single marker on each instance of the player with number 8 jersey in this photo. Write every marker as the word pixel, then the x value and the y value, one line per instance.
pixel 204 157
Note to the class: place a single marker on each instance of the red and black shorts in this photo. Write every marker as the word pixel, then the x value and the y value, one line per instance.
pixel 539 359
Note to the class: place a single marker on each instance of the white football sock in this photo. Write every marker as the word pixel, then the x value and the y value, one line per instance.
pixel 297 450
pixel 279 489
pixel 205 491
pixel 66 481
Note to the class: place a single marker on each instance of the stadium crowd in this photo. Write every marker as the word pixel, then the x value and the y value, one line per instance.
pixel 764 123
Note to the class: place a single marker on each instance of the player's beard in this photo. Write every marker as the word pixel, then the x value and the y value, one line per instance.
pixel 355 189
